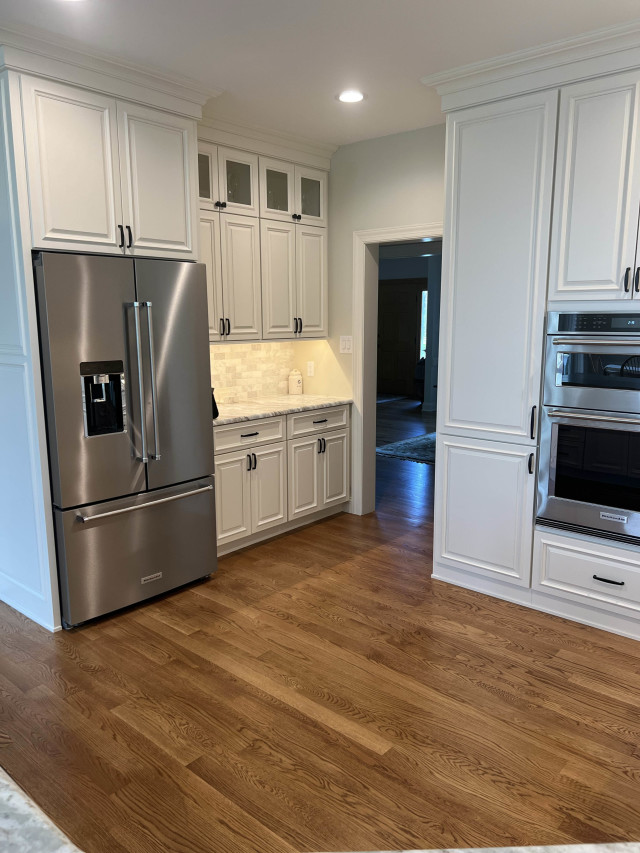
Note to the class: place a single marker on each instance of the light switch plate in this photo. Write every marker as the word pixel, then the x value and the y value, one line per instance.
pixel 346 343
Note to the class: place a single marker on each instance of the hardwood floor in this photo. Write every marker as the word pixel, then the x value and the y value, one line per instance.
pixel 402 418
pixel 322 693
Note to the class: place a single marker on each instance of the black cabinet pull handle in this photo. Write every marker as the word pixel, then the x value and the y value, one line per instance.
pixel 636 281
pixel 295 325
pixel 324 445
pixel 121 243
pixel 299 325
pixel 248 461
pixel 217 204
pixel 319 445
pixel 255 461
pixel 130 236
pixel 626 279
pixel 294 217
pixel 530 463
pixel 607 580
pixel 299 217
pixel 248 434
pixel 221 327
pixel 223 204
pixel 533 421
pixel 228 327
pixel 322 421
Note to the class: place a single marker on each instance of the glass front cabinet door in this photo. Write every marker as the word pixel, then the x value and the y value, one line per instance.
pixel 227 180
pixel 311 196
pixel 277 182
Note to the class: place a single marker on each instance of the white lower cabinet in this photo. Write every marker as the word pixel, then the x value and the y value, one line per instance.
pixel 485 495
pixel 250 491
pixel 318 472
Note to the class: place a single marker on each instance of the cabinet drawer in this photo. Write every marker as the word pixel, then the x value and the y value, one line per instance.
pixel 601 573
pixel 247 433
pixel 319 420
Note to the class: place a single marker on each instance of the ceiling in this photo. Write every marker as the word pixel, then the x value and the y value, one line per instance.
pixel 280 63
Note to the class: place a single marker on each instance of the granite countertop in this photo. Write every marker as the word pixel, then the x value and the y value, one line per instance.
pixel 268 407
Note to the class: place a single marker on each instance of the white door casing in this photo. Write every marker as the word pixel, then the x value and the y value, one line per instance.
pixel 597 190
pixel 278 251
pixel 71 142
pixel 499 181
pixel 240 239
pixel 485 498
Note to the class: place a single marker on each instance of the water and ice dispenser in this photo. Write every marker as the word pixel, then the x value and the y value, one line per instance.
pixel 103 397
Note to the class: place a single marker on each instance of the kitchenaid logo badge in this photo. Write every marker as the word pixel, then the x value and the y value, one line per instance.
pixel 150 578
pixel 611 516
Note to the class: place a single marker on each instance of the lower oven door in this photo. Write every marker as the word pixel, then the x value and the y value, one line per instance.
pixel 589 474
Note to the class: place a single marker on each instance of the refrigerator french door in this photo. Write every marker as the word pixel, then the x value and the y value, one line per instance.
pixel 125 359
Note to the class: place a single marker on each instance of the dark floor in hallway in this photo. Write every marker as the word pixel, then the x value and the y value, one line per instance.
pixel 402 418
pixel 322 693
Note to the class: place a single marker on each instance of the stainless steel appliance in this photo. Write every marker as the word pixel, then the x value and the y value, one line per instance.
pixel 589 471
pixel 125 359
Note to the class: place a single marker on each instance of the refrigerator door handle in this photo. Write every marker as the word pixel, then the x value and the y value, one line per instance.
pixel 152 371
pixel 85 518
pixel 143 435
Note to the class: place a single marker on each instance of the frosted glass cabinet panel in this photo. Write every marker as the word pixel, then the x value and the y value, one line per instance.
pixel 277 190
pixel 311 196
pixel 227 180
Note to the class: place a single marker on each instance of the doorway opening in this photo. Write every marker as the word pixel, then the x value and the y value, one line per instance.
pixel 368 246
pixel 407 362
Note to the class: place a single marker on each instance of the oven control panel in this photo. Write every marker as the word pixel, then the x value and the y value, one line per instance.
pixel 594 323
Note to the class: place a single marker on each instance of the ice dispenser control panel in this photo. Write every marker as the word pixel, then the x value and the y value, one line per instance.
pixel 103 397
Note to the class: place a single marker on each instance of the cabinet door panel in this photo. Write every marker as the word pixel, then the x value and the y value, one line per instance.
pixel 233 497
pixel 278 250
pixel 597 189
pixel 269 487
pixel 304 477
pixel 71 140
pixel 485 501
pixel 238 176
pixel 210 256
pixel 311 266
pixel 335 459
pixel 158 157
pixel 311 196
pixel 277 195
pixel 494 271
pixel 208 192
pixel 241 276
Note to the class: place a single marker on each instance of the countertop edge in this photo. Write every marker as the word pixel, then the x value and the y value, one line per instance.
pixel 274 413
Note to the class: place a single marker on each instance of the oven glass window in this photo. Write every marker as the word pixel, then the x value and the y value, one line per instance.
pixel 598 466
pixel 590 370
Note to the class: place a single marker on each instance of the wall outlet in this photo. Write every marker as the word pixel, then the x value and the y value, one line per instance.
pixel 346 343
pixel 311 368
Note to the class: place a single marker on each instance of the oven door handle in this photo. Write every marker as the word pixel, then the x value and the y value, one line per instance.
pixel 583 416
pixel 597 342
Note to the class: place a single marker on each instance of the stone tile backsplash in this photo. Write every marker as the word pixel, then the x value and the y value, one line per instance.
pixel 245 371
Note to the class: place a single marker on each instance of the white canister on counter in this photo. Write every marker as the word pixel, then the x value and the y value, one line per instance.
pixel 295 382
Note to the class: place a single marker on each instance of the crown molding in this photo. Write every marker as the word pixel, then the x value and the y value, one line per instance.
pixel 270 143
pixel 604 51
pixel 27 50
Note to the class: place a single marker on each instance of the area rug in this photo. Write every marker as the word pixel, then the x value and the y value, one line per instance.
pixel 421 448
pixel 23 827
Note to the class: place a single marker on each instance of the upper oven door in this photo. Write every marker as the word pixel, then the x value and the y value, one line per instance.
pixel 599 373
pixel 589 470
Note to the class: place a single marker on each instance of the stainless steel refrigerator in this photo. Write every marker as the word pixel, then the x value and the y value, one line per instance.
pixel 125 360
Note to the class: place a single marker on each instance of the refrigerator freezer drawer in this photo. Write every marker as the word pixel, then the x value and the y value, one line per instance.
pixel 120 552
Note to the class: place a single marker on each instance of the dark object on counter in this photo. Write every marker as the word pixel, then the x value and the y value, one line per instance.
pixel 214 405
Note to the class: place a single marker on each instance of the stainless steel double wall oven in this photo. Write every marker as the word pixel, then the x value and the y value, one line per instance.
pixel 125 358
pixel 589 472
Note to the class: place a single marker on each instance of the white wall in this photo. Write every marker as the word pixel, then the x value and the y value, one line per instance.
pixel 380 183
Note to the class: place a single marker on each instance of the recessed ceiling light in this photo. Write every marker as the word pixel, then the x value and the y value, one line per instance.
pixel 350 96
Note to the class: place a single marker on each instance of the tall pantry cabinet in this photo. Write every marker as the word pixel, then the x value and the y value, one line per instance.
pixel 499 182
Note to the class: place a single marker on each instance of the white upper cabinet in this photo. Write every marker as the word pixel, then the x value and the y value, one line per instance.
pixel 278 249
pixel 72 161
pixel 485 493
pixel 227 180
pixel 159 181
pixel 240 243
pixel 211 257
pixel 108 176
pixel 311 196
pixel 597 190
pixel 499 185
pixel 311 281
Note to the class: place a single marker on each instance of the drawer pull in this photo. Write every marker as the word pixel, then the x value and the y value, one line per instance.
pixel 323 421
pixel 607 580
pixel 248 434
